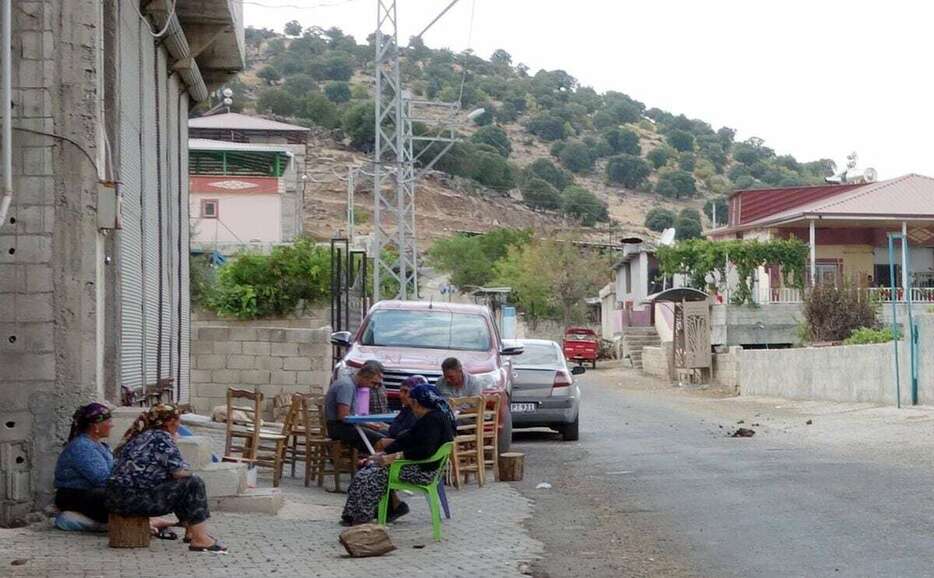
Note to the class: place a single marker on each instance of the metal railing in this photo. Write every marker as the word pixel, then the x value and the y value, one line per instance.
pixel 876 294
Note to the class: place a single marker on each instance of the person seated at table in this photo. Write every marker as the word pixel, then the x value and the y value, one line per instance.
pixel 82 470
pixel 434 426
pixel 151 478
pixel 339 403
pixel 455 382
pixel 405 419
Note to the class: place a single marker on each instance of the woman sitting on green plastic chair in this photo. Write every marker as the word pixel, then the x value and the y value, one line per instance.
pixel 434 428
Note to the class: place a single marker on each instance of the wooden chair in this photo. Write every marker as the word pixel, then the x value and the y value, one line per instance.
pixel 246 441
pixel 304 426
pixel 491 409
pixel 467 454
pixel 341 458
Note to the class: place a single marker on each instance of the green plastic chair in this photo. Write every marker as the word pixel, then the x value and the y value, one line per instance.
pixel 431 489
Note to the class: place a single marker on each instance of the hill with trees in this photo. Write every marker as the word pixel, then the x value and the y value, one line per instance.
pixel 550 149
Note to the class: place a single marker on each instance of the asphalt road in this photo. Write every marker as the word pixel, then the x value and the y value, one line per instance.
pixel 655 487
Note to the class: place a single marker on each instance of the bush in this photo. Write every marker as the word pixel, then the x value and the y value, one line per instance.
pixel 547 127
pixel 687 227
pixel 547 171
pixel 278 102
pixel 576 157
pixel 680 140
pixel 686 162
pixel 298 85
pixel 622 140
pixel 270 74
pixel 659 156
pixel 556 148
pixel 834 314
pixel 507 112
pixel 293 28
pixel 251 286
pixel 492 171
pixel 337 91
pixel 359 124
pixel 495 137
pixel 676 184
pixel 867 335
pixel 627 170
pixel 540 194
pixel 321 111
pixel 689 213
pixel 584 205
pixel 332 66
pixel 722 209
pixel 659 219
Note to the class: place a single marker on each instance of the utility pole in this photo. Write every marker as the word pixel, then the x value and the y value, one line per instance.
pixel 394 248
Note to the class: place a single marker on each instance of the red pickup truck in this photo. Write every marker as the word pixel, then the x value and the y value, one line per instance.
pixel 580 345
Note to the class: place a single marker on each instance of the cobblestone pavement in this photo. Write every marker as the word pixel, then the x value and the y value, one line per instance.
pixel 484 537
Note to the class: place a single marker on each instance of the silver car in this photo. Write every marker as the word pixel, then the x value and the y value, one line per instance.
pixel 543 389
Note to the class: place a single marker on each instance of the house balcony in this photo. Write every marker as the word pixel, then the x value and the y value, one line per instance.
pixel 784 295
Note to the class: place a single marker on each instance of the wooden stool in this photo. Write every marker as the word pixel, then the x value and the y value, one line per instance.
pixel 511 465
pixel 129 532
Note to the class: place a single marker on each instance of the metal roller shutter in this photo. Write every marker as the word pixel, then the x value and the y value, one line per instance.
pixel 129 259
pixel 184 355
pixel 173 247
pixel 164 180
pixel 150 215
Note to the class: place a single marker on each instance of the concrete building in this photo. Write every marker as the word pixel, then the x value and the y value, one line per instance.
pixel 254 146
pixel 94 249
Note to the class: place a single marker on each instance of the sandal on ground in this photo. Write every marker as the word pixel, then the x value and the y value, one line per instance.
pixel 187 540
pixel 164 534
pixel 398 512
pixel 215 547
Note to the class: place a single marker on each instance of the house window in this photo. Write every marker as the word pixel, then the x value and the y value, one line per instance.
pixel 209 208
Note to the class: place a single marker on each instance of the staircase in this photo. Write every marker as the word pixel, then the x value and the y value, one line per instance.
pixel 634 339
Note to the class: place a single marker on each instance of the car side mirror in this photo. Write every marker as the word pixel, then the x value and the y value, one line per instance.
pixel 578 370
pixel 512 350
pixel 341 338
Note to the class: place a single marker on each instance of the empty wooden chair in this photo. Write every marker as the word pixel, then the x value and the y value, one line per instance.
pixel 491 408
pixel 467 455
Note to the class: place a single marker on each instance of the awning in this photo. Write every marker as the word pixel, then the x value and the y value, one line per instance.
pixel 677 295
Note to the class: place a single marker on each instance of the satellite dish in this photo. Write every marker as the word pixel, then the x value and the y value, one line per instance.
pixel 870 175
pixel 668 236
pixel 476 113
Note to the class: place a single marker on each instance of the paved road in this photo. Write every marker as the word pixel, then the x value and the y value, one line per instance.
pixel 656 488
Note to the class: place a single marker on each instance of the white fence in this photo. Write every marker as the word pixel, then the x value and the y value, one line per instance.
pixel 875 294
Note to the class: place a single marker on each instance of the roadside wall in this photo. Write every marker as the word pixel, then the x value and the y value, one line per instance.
pixel 657 360
pixel 276 360
pixel 310 318
pixel 773 323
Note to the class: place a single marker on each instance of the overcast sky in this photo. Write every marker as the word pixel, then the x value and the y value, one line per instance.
pixel 816 78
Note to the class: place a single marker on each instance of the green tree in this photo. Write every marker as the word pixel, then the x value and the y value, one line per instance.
pixel 321 111
pixel 278 102
pixel 722 208
pixel 360 125
pixel 583 205
pixel 686 162
pixel 658 219
pixel 495 137
pixel 293 28
pixel 659 156
pixel 270 74
pixel 337 92
pixel 547 127
pixel 676 184
pixel 627 170
pixel 622 140
pixel 680 140
pixel 492 171
pixel 688 227
pixel 332 66
pixel 576 157
pixel 469 260
pixel 547 171
pixel 506 112
pixel 540 194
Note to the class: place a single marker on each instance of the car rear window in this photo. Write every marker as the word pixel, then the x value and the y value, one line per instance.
pixel 427 329
pixel 538 354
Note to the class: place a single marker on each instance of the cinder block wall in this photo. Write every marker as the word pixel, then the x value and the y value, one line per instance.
pixel 309 318
pixel 657 360
pixel 276 360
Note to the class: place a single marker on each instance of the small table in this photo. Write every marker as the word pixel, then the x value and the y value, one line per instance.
pixel 358 420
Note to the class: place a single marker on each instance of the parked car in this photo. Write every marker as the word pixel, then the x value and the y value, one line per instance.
pixel 581 344
pixel 414 337
pixel 544 393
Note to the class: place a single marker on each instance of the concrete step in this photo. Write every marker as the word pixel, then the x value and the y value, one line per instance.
pixel 196 450
pixel 252 501
pixel 223 479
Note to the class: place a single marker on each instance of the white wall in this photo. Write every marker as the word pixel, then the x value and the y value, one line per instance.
pixel 242 218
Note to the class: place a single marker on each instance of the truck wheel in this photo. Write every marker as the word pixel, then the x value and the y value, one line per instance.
pixel 505 434
pixel 570 432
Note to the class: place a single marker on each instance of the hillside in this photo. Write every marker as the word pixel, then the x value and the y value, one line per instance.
pixel 547 154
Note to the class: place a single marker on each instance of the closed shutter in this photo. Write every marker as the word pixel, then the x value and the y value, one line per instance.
pixel 129 258
pixel 150 217
pixel 184 355
pixel 164 180
pixel 173 248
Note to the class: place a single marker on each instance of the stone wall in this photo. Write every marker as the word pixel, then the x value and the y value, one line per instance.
pixel 725 370
pixel 657 361
pixel 275 360
pixel 773 324
pixel 309 318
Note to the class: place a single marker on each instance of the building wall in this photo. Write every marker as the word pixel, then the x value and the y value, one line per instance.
pixel 274 360
pixel 242 218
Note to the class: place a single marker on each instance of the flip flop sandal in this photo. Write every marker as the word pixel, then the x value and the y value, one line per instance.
pixel 216 548
pixel 165 534
pixel 187 540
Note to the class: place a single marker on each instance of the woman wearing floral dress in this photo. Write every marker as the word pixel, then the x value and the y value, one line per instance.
pixel 151 478
pixel 434 428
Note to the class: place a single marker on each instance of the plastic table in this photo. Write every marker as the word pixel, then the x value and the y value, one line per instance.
pixel 359 420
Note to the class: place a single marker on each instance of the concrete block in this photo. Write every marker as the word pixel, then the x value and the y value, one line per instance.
pixel 271 335
pixel 300 335
pixel 283 349
pixel 223 479
pixel 28 249
pixel 282 377
pixel 240 361
pixel 225 376
pixel 267 362
pixel 296 364
pixel 254 377
pixel 210 362
pixel 227 347
pixel 242 334
pixel 314 349
pixel 196 450
pixel 254 501
pixel 201 376
pixel 212 334
pixel 37 161
pixel 202 347
pixel 24 366
pixel 255 347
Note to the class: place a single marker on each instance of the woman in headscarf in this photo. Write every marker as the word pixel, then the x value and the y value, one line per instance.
pixel 433 428
pixel 151 478
pixel 84 465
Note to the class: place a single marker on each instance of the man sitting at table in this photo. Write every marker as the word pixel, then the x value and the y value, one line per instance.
pixel 339 403
pixel 455 382
pixel 405 419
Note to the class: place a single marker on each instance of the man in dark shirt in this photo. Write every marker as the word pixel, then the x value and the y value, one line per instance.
pixel 339 403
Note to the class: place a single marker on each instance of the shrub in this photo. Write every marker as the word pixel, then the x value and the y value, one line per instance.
pixel 495 137
pixel 278 102
pixel 686 162
pixel 547 127
pixel 584 205
pixel 507 112
pixel 556 148
pixel 540 194
pixel 867 335
pixel 547 171
pixel 622 140
pixel 270 74
pixel 659 219
pixel 676 184
pixel 833 314
pixel 321 111
pixel 337 91
pixel 491 170
pixel 627 170
pixel 687 227
pixel 359 124
pixel 659 156
pixel 722 209
pixel 298 85
pixel 576 157
pixel 680 140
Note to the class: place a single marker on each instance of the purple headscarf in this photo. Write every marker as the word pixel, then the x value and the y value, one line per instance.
pixel 87 415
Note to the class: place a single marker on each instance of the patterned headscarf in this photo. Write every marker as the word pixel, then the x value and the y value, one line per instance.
pixel 156 417
pixel 427 396
pixel 87 415
pixel 414 380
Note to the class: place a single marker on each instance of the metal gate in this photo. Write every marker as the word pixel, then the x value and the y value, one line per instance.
pixel 350 292
pixel 692 338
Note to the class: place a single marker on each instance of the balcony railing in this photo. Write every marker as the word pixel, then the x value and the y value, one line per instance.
pixel 876 294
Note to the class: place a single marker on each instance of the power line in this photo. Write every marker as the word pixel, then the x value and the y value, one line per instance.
pixel 168 19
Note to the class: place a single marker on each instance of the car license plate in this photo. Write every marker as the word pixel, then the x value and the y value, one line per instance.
pixel 523 407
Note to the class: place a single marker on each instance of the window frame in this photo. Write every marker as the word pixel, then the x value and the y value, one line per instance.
pixel 217 208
